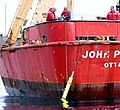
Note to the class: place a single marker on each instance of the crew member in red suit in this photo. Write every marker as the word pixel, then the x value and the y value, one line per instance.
pixel 112 15
pixel 51 15
pixel 66 14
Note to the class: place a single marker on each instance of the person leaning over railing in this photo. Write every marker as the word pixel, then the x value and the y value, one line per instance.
pixel 66 14
pixel 112 15
pixel 51 15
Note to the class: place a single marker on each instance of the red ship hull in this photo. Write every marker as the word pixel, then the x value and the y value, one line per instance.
pixel 43 69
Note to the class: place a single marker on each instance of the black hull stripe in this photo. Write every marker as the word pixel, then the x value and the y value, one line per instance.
pixel 16 87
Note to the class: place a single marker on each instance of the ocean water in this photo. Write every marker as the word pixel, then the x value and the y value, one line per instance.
pixel 25 103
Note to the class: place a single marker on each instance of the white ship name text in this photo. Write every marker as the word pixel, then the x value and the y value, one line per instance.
pixel 100 54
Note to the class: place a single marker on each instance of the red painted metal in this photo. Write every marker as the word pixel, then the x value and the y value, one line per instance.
pixel 96 28
pixel 94 62
pixel 50 61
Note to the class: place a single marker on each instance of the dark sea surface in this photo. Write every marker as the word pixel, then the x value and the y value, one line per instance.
pixel 26 103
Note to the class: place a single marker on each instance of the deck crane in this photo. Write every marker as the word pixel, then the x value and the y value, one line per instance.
pixel 18 21
pixel 70 4
pixel 21 15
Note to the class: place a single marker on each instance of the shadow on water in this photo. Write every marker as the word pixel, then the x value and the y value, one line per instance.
pixel 35 103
